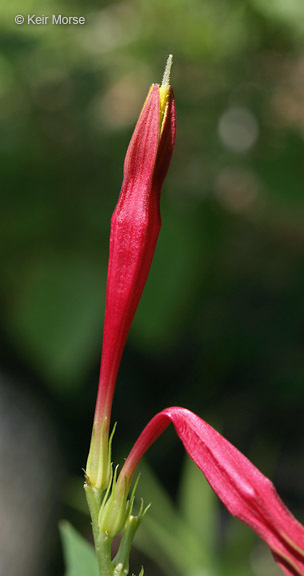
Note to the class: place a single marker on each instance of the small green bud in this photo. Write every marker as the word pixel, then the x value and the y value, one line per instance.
pixel 114 510
pixel 121 560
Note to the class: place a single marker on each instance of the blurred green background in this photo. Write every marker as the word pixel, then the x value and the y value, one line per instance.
pixel 220 328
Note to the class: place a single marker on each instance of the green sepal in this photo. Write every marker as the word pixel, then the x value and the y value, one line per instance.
pixel 114 510
pixel 98 470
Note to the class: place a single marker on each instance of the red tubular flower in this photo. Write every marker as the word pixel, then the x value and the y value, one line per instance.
pixel 135 227
pixel 242 488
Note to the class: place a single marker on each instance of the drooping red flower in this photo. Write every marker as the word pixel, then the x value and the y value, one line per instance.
pixel 242 488
pixel 135 226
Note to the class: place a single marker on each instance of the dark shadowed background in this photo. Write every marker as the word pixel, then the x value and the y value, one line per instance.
pixel 220 328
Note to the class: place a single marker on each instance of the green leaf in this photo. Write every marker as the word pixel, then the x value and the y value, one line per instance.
pixel 199 505
pixel 164 534
pixel 79 555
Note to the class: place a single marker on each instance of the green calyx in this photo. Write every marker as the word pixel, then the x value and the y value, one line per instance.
pixel 98 471
pixel 111 513
pixel 114 509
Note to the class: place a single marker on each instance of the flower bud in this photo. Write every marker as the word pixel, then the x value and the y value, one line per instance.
pixel 135 226
pixel 114 510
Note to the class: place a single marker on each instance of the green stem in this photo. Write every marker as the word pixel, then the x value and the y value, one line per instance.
pixel 103 552
pixel 102 541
